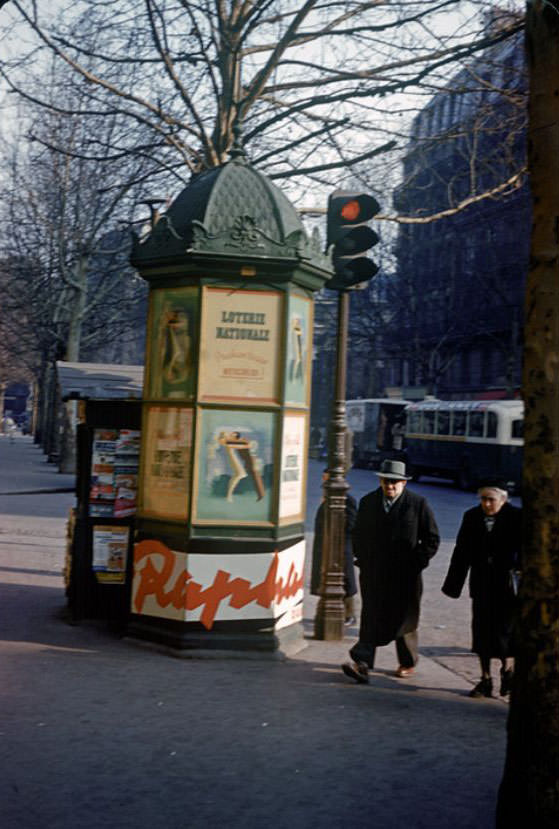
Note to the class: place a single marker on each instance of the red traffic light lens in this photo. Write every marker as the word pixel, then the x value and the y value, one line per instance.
pixel 351 210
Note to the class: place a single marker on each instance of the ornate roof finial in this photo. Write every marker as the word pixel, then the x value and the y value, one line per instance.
pixel 237 151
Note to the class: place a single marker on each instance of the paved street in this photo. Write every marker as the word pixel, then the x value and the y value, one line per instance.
pixel 99 732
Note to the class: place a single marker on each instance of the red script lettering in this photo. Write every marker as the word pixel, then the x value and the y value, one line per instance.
pixel 187 594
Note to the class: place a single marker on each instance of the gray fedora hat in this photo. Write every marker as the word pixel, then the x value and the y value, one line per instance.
pixel 395 470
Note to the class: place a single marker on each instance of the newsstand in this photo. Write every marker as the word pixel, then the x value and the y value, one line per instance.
pixel 99 569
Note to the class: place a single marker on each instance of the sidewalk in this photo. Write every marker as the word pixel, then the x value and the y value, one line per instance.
pixel 98 732
pixel 25 470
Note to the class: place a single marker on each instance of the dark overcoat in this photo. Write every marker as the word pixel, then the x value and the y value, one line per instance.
pixel 350 584
pixel 391 549
pixel 489 557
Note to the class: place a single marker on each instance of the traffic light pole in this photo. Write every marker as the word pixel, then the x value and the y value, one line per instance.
pixel 330 614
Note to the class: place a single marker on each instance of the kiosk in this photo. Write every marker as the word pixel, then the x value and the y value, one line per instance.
pixel 219 553
pixel 101 527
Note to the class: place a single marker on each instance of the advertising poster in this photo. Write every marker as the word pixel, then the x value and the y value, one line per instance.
pixel 110 546
pixel 235 466
pixel 209 589
pixel 165 475
pixel 172 355
pixel 299 347
pixel 292 467
pixel 240 345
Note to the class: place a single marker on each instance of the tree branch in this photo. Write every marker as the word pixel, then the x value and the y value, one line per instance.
pixel 513 183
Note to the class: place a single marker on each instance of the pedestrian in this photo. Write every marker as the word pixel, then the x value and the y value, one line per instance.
pixel 394 538
pixel 488 546
pixel 9 428
pixel 398 432
pixel 350 584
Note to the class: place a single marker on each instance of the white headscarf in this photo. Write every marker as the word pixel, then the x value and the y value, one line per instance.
pixel 502 492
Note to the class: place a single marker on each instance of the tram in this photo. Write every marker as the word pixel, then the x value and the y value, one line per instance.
pixel 465 440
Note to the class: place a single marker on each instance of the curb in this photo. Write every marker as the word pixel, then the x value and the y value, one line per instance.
pixel 49 491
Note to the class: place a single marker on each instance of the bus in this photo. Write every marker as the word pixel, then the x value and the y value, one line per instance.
pixel 465 440
pixel 377 427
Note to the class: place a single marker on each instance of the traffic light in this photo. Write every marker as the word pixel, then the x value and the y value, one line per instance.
pixel 351 237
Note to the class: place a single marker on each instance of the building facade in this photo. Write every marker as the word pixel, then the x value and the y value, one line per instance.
pixel 460 278
pixel 447 318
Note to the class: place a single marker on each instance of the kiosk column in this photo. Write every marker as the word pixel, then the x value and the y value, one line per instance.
pixel 219 552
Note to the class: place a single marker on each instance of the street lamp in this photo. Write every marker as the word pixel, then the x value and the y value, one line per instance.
pixel 330 613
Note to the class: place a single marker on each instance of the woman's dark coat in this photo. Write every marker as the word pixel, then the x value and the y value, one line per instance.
pixel 350 585
pixel 489 557
pixel 391 549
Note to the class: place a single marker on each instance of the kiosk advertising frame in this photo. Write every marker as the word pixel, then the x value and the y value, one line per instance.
pixel 240 345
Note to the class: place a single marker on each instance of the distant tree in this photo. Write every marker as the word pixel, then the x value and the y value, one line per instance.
pixel 19 349
pixel 64 222
pixel 422 334
pixel 115 320
pixel 66 208
pixel 529 793
pixel 17 357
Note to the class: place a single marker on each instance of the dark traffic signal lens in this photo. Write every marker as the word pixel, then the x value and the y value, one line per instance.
pixel 358 239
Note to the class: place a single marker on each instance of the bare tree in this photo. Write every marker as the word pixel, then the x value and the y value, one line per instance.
pixel 316 85
pixel 16 357
pixel 64 220
pixel 323 91
pixel 422 340
pixel 68 203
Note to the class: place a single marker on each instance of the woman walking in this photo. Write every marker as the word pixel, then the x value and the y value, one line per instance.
pixel 488 546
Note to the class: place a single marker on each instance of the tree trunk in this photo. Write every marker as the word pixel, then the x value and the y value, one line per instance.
pixel 529 793
pixel 48 429
pixel 79 305
pixel 68 437
pixel 3 385
pixel 67 414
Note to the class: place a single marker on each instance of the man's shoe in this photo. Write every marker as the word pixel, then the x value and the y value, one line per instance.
pixel 349 620
pixel 484 688
pixel 402 672
pixel 506 682
pixel 357 671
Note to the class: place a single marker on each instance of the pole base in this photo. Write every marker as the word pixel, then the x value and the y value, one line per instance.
pixel 329 620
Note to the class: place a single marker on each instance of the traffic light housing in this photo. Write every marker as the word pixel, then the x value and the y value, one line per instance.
pixel 349 235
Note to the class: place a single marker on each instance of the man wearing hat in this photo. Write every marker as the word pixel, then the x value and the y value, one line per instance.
pixel 488 545
pixel 394 537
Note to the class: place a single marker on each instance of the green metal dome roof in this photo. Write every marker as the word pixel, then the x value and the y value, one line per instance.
pixel 221 197
pixel 231 211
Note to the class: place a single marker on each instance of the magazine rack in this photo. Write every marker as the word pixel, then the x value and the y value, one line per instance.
pixel 100 566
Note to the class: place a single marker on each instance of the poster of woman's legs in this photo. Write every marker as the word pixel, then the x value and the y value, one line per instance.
pixel 235 466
